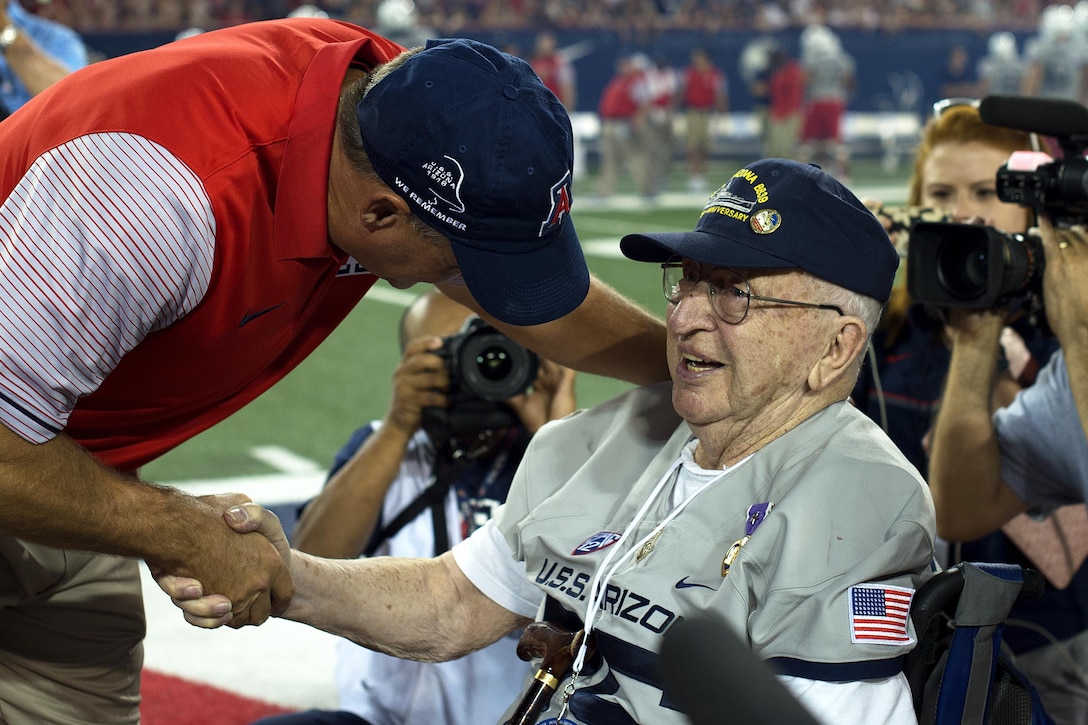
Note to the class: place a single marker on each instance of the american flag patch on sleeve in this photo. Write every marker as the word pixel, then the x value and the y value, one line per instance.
pixel 878 614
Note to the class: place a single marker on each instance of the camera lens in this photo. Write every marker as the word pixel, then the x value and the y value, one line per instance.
pixel 494 363
pixel 494 367
pixel 963 267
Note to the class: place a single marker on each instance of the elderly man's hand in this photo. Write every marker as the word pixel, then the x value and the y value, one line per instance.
pixel 240 576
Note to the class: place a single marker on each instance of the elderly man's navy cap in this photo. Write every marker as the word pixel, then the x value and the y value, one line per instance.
pixel 482 151
pixel 780 214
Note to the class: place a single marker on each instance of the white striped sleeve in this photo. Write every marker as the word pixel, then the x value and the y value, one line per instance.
pixel 105 239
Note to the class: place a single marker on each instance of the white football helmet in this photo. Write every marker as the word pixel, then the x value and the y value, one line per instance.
pixel 1002 45
pixel 307 11
pixel 396 14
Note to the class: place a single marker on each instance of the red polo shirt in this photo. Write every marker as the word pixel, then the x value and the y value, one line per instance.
pixel 247 116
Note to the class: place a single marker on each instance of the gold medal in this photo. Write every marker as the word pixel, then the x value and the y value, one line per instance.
pixel 732 554
pixel 646 548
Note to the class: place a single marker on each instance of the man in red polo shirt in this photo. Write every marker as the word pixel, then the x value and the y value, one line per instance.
pixel 622 109
pixel 555 69
pixel 785 106
pixel 704 92
pixel 179 228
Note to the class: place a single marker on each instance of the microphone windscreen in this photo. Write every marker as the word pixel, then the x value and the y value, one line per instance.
pixel 1047 116
pixel 714 677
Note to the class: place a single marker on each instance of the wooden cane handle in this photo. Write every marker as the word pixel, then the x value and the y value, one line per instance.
pixel 556 647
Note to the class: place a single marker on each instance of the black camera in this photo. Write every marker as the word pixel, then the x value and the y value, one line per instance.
pixel 485 367
pixel 967 265
pixel 963 265
pixel 1057 188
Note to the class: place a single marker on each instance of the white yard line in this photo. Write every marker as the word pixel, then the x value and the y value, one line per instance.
pixel 284 460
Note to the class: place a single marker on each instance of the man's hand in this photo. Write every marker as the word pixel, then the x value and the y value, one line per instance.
pixel 419 382
pixel 242 568
pixel 551 397
pixel 981 328
pixel 1064 292
pixel 260 528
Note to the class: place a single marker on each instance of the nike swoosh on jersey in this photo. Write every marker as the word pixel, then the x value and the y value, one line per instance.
pixel 685 584
pixel 251 316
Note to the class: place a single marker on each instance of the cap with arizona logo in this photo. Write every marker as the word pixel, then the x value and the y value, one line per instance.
pixel 482 151
pixel 781 214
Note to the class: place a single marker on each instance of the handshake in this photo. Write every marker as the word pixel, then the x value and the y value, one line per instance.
pixel 241 577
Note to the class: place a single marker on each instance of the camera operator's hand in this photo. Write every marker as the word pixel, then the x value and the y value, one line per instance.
pixel 340 521
pixel 897 220
pixel 1065 294
pixel 419 382
pixel 980 328
pixel 967 326
pixel 550 398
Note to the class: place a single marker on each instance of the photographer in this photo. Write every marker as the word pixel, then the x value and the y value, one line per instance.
pixel 1031 454
pixel 955 169
pixel 383 470
pixel 993 459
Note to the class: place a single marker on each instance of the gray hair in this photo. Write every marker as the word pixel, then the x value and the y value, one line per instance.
pixel 855 304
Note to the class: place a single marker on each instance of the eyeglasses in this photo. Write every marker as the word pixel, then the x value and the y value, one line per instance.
pixel 946 103
pixel 729 291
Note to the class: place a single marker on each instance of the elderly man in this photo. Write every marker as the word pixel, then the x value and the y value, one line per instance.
pixel 748 490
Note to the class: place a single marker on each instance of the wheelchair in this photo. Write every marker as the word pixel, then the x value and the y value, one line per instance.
pixel 961 672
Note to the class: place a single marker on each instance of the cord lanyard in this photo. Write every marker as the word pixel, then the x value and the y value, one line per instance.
pixel 599 587
pixel 469 502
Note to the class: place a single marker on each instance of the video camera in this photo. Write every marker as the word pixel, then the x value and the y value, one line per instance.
pixel 485 367
pixel 971 266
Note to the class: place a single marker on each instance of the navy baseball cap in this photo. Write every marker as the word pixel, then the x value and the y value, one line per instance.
pixel 780 214
pixel 482 151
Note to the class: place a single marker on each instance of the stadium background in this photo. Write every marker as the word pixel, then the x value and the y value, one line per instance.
pixel 886 59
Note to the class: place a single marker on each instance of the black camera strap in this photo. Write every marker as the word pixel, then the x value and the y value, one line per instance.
pixel 433 497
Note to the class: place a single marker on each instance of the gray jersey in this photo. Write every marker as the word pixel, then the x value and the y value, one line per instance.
pixel 828 76
pixel 850 516
pixel 1062 62
pixel 1001 74
pixel 1044 452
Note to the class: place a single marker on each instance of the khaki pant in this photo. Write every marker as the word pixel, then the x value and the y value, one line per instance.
pixel 781 137
pixel 71 631
pixel 697 133
pixel 623 147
